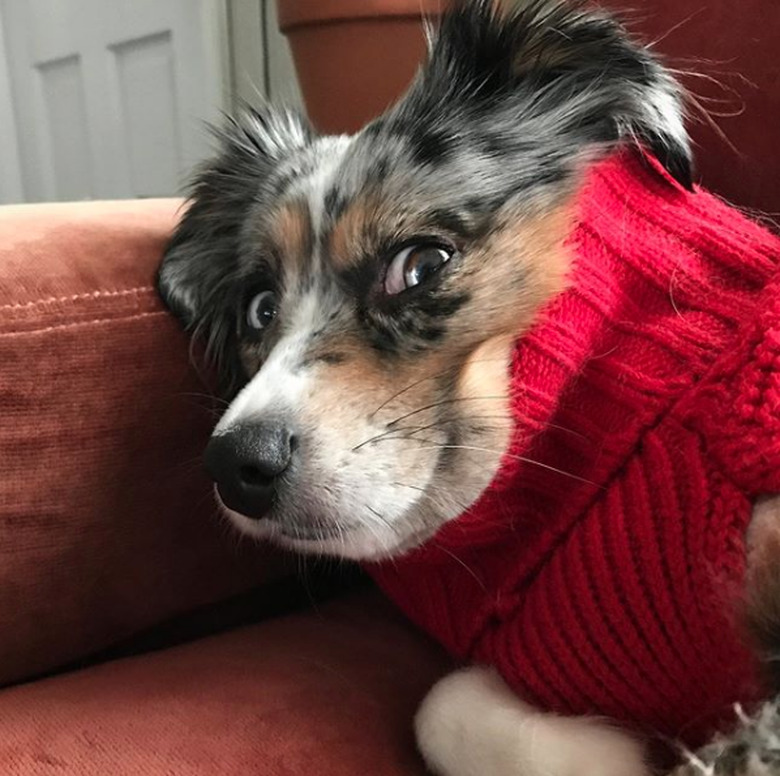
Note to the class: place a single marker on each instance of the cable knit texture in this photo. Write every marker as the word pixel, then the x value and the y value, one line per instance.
pixel 603 575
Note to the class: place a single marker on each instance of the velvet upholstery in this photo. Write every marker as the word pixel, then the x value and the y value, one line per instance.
pixel 329 692
pixel 107 525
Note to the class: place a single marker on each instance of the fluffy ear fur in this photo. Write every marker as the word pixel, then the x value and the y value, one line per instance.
pixel 553 78
pixel 205 245
pixel 198 271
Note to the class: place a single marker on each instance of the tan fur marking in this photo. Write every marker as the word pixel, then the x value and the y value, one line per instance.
pixel 537 244
pixel 348 241
pixel 371 383
pixel 521 266
pixel 484 381
pixel 484 376
pixel 290 231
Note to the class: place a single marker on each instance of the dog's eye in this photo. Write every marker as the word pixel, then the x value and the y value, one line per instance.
pixel 415 264
pixel 261 310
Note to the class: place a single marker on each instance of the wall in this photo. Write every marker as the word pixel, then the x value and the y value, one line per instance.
pixel 10 173
pixel 261 63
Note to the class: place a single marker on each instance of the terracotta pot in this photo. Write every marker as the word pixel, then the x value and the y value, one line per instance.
pixel 354 57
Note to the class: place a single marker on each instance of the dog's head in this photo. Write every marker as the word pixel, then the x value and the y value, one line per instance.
pixel 365 292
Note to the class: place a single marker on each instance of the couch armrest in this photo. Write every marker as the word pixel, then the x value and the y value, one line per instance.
pixel 107 525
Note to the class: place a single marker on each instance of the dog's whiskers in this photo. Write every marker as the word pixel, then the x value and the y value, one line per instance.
pixel 521 458
pixel 429 491
pixel 409 387
pixel 207 396
pixel 384 542
pixel 393 434
pixel 412 487
pixel 444 402
pixel 461 563
pixel 426 378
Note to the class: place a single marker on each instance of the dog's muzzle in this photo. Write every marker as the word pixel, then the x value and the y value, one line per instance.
pixel 247 463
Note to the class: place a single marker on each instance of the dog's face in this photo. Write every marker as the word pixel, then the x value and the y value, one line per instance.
pixel 365 292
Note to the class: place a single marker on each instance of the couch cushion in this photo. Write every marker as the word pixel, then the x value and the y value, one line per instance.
pixel 107 524
pixel 329 692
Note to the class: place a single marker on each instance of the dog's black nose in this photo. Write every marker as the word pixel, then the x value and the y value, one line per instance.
pixel 246 463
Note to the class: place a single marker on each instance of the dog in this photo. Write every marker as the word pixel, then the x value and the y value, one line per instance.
pixel 393 314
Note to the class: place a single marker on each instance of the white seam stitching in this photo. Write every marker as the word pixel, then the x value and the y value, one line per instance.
pixel 94 322
pixel 77 297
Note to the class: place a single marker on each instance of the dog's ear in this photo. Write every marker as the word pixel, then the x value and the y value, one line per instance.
pixel 552 77
pixel 199 267
pixel 204 247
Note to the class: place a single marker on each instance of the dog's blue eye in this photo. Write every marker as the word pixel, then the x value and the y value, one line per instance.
pixel 414 265
pixel 261 310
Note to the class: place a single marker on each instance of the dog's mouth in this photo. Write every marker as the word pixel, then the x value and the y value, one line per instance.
pixel 350 540
pixel 275 525
pixel 312 536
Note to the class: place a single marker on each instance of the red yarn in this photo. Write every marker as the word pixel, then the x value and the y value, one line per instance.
pixel 653 386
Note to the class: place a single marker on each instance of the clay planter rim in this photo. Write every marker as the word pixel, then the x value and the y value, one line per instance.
pixel 303 13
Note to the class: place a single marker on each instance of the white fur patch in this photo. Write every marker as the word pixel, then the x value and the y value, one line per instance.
pixel 330 152
pixel 472 724
pixel 664 106
pixel 282 383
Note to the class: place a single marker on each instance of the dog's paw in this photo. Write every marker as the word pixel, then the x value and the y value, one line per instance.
pixel 471 724
pixel 752 750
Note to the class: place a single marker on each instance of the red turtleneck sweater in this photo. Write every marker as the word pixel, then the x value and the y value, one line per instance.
pixel 604 579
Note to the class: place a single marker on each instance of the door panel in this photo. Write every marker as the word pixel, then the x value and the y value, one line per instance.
pixel 110 97
pixel 64 130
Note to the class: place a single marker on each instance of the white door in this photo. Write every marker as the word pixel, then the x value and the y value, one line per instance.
pixel 110 96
